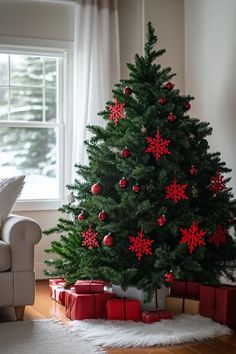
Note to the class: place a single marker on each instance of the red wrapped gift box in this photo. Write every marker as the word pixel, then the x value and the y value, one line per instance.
pixel 193 289
pixel 178 288
pixel 150 316
pixel 123 309
pixel 174 304
pixel 90 286
pixel 185 289
pixel 219 303
pixel 207 301
pixel 85 306
pixel 155 316
pixel 165 315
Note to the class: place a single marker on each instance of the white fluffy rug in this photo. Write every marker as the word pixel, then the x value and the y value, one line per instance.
pixel 42 337
pixel 182 329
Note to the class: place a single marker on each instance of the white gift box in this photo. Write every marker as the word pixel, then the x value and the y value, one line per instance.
pixel 134 293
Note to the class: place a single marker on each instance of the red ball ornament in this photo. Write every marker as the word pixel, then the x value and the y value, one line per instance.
pixel 136 188
pixel 102 216
pixel 125 153
pixel 187 106
pixel 108 240
pixel 128 91
pixel 162 100
pixel 161 220
pixel 169 86
pixel 81 217
pixel 193 170
pixel 96 188
pixel 171 117
pixel 123 182
pixel 169 277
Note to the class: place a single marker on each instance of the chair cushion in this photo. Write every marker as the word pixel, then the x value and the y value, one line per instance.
pixel 10 189
pixel 5 256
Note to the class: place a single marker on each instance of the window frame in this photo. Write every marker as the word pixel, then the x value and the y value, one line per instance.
pixel 64 50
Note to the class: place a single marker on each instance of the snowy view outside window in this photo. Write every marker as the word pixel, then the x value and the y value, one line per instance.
pixel 29 122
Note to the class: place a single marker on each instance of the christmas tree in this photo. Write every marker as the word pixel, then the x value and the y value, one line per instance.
pixel 152 204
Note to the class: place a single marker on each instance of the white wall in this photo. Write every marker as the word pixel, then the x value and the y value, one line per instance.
pixel 167 17
pixel 131 32
pixel 210 57
pixel 26 18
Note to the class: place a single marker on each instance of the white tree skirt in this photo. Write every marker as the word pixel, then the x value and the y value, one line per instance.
pixel 181 329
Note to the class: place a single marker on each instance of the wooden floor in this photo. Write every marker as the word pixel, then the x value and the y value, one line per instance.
pixel 44 307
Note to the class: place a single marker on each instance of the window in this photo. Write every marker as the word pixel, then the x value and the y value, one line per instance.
pixel 32 122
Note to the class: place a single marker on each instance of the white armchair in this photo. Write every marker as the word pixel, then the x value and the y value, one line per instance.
pixel 18 237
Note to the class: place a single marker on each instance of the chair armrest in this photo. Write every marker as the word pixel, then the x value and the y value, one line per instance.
pixel 22 234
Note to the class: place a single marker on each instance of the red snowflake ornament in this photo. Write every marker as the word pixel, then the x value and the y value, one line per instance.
pixel 90 238
pixel 219 236
pixel 176 191
pixel 116 111
pixel 158 146
pixel 193 237
pixel 140 245
pixel 217 183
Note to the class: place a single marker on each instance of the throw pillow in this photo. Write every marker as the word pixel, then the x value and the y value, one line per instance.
pixel 10 189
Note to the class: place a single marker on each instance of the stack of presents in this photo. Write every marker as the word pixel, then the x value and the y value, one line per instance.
pixel 217 302
pixel 93 299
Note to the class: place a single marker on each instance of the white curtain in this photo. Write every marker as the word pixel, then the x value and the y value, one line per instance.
pixel 96 69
